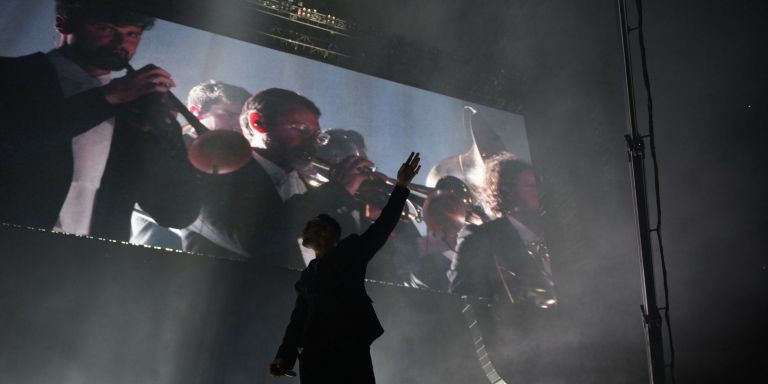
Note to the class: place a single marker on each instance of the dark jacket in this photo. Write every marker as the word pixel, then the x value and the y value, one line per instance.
pixel 332 307
pixel 36 161
pixel 494 251
pixel 237 212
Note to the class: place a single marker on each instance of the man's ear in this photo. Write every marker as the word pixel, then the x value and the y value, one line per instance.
pixel 63 25
pixel 256 122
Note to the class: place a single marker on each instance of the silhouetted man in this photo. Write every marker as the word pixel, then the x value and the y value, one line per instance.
pixel 333 323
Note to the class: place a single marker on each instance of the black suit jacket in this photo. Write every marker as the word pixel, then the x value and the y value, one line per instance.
pixel 332 307
pixel 493 246
pixel 240 214
pixel 36 161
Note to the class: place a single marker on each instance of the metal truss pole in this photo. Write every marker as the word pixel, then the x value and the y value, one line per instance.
pixel 636 148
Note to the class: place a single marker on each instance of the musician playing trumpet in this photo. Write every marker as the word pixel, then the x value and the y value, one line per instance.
pixel 257 212
pixel 71 158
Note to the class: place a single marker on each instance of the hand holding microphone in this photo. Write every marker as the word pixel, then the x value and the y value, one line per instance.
pixel 276 369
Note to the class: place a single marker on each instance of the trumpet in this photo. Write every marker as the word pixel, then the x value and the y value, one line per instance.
pixel 376 193
pixel 324 168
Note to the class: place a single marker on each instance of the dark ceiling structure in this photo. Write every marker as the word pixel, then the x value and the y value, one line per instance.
pixel 402 41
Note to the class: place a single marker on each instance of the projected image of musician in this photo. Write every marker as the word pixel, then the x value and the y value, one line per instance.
pixel 506 259
pixel 367 203
pixel 218 106
pixel 333 322
pixel 258 211
pixel 445 214
pixel 341 144
pixel 77 150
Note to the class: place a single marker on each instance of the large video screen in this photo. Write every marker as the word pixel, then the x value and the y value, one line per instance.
pixel 93 145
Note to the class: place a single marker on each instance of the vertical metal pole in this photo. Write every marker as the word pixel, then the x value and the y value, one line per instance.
pixel 636 148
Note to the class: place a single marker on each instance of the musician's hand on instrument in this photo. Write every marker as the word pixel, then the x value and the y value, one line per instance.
pixel 379 177
pixel 138 83
pixel 165 100
pixel 409 169
pixel 352 172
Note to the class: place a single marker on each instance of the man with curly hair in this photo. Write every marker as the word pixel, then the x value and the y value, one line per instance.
pixel 505 258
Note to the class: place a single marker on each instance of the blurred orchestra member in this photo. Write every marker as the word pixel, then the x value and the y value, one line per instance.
pixel 504 258
pixel 341 144
pixel 257 212
pixel 333 322
pixel 445 214
pixel 217 105
pixel 74 158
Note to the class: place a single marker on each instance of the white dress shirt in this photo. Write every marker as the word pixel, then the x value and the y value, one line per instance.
pixel 90 150
pixel 286 184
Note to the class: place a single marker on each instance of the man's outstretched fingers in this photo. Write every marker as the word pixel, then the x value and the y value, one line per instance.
pixel 410 157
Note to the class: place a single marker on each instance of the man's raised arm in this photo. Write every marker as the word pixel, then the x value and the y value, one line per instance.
pixel 376 235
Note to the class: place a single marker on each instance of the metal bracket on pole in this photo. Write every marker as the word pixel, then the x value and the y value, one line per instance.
pixel 635 145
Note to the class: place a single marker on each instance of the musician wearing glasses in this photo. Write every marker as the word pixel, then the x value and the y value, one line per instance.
pixel 76 154
pixel 333 322
pixel 257 212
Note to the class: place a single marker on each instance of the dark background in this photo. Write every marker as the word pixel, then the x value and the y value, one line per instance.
pixel 708 75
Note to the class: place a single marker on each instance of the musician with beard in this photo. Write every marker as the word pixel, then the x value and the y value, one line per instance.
pixel 76 154
pixel 257 213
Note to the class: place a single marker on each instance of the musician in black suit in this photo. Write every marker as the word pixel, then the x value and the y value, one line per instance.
pixel 506 258
pixel 74 154
pixel 333 323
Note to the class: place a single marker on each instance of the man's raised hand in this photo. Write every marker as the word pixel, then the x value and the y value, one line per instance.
pixel 276 369
pixel 408 170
